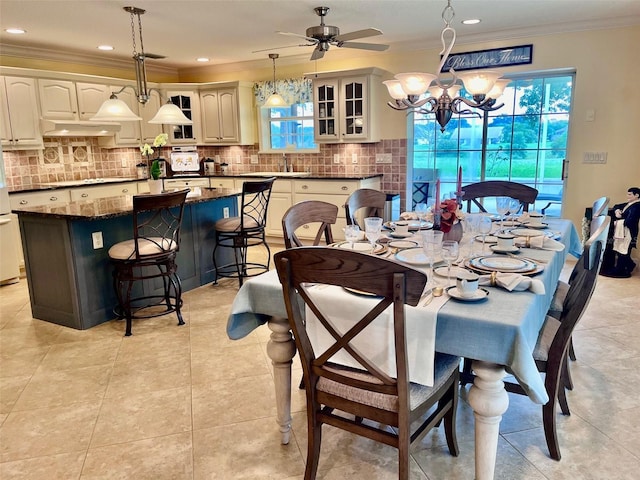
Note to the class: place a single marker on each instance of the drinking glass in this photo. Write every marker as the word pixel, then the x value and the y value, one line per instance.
pixel 484 227
pixel 514 208
pixel 449 253
pixel 421 211
pixel 373 227
pixel 470 226
pixel 502 206
pixel 432 247
pixel 351 234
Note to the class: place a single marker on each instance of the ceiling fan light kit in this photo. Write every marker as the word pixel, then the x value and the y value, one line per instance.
pixel 484 86
pixel 116 110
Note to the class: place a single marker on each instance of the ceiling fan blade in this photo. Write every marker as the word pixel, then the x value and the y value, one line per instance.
pixel 379 47
pixel 367 32
pixel 308 39
pixel 317 54
pixel 280 48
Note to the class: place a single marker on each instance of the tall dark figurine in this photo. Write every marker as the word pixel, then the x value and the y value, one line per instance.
pixel 623 236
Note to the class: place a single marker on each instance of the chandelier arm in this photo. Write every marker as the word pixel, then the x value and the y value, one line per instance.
pixel 487 104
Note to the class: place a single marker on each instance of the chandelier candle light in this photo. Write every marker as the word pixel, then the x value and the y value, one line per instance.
pixel 408 89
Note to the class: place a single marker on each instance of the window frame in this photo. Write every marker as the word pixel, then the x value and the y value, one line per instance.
pixel 264 132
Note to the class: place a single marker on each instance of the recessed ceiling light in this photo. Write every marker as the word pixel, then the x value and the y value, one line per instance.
pixel 15 31
pixel 105 47
pixel 471 21
pixel 202 59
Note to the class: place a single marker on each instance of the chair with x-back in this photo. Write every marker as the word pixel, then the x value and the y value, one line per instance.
pixel 475 192
pixel 363 203
pixel 343 396
pixel 305 215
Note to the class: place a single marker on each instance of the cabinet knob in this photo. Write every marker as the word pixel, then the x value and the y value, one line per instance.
pixel 23 202
pixel 306 226
pixel 344 187
pixel 305 187
pixel 53 199
pixel 84 195
pixel 125 190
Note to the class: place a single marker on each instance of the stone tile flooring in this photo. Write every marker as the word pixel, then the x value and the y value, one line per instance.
pixel 188 403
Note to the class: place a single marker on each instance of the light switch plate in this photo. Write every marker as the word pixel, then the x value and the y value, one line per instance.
pixel 96 238
pixel 254 159
pixel 336 158
pixel 354 158
pixel 383 158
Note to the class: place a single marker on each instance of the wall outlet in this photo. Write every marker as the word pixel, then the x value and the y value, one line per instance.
pixel 336 158
pixel 238 159
pixel 354 158
pixel 96 238
pixel 225 212
pixel 383 158
pixel 254 159
pixel 123 162
pixel 217 159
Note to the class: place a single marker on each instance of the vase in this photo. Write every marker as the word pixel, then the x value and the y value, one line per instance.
pixel 155 186
pixel 455 233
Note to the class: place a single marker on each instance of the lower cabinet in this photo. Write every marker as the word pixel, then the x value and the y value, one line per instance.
pixel 279 202
pixel 102 191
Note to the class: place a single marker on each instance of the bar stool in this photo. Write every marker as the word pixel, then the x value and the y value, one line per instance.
pixel 150 254
pixel 247 230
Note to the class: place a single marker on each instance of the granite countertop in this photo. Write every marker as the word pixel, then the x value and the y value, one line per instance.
pixel 103 208
pixel 108 181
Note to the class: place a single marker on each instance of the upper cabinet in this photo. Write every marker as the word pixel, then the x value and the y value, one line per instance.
pixel 188 102
pixel 226 112
pixel 58 99
pixel 147 111
pixel 345 106
pixel 90 97
pixel 19 104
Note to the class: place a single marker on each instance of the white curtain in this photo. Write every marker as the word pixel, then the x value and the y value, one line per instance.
pixel 293 90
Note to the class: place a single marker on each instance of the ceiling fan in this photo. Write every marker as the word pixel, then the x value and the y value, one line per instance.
pixel 323 36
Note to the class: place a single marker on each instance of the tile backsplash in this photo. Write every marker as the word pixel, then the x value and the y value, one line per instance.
pixel 80 158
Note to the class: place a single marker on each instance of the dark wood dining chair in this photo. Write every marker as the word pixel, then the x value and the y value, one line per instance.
pixel 150 254
pixel 474 192
pixel 370 201
pixel 245 231
pixel 305 215
pixel 342 396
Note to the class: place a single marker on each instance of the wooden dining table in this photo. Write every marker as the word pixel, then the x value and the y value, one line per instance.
pixel 499 334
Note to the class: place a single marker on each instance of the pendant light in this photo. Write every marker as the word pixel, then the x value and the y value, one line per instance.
pixel 116 110
pixel 275 100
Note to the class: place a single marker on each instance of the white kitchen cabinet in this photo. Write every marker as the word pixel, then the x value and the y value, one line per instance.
pixel 19 103
pixel 130 132
pixel 58 99
pixel 103 191
pixel 279 202
pixel 227 114
pixel 188 101
pixel 149 131
pixel 217 182
pixel 345 106
pixel 91 96
pixel 35 199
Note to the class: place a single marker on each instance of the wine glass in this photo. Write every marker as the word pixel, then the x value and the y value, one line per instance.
pixel 502 206
pixel 373 227
pixel 421 212
pixel 514 207
pixel 449 253
pixel 432 246
pixel 484 227
pixel 470 226
pixel 351 234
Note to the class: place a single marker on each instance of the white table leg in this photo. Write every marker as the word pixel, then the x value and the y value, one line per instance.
pixel 489 401
pixel 281 348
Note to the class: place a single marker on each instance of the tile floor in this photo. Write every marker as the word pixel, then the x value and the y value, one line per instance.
pixel 188 403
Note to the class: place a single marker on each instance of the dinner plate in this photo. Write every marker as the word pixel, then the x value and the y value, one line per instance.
pixel 526 232
pixel 402 244
pixel 414 256
pixel 479 294
pixel 412 224
pixel 497 249
pixel 400 235
pixel 489 239
pixel 537 225
pixel 455 272
pixel 501 263
pixel 361 247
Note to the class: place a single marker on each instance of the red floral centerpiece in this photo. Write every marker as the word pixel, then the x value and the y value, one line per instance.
pixel 449 214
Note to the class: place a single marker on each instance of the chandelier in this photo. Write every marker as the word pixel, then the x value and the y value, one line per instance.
pixel 407 89
pixel 275 100
pixel 116 110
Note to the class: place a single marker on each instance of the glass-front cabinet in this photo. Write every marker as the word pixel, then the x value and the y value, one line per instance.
pixel 189 103
pixel 345 105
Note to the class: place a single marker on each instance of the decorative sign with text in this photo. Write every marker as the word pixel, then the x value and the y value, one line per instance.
pixel 496 57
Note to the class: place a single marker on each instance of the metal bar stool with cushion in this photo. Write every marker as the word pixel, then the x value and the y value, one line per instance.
pixel 302 214
pixel 498 188
pixel 343 396
pixel 150 254
pixel 247 230
pixel 369 200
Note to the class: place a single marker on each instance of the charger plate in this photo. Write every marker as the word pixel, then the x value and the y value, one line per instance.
pixel 502 263
pixel 364 247
pixel 526 232
pixel 415 256
pixel 402 244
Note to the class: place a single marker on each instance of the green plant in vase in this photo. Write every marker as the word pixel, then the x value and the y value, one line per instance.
pixel 155 171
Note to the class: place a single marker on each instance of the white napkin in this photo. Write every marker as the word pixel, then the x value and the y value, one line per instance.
pixel 409 216
pixel 541 242
pixel 514 282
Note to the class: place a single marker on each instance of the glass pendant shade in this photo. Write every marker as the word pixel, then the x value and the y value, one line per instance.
pixel 498 88
pixel 479 82
pixel 115 110
pixel 275 100
pixel 415 83
pixel 452 91
pixel 170 114
pixel 395 89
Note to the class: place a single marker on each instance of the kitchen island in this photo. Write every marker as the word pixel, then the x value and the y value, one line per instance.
pixel 65 249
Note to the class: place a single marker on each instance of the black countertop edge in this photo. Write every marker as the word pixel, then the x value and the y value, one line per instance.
pixel 42 188
pixel 110 207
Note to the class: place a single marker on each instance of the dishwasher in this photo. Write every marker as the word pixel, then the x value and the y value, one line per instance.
pixel 194 184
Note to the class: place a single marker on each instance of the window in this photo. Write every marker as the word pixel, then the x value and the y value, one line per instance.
pixel 287 129
pixel 525 141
